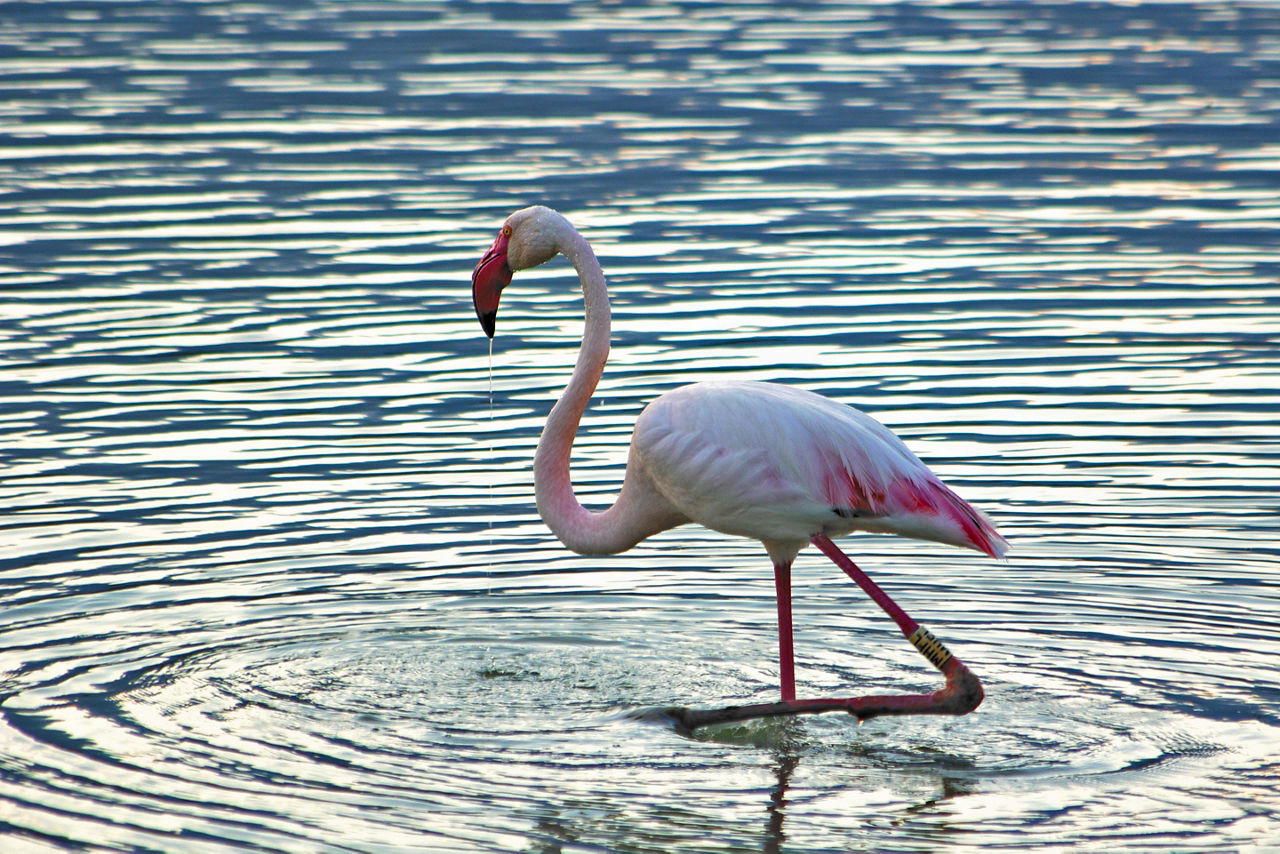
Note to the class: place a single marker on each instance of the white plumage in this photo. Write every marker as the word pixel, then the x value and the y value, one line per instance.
pixel 778 464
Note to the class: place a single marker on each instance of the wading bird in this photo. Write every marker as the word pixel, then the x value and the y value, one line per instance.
pixel 773 463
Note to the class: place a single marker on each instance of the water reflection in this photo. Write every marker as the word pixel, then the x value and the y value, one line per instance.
pixel 774 835
pixel 271 569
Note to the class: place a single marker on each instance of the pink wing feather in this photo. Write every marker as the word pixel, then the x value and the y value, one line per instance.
pixel 776 463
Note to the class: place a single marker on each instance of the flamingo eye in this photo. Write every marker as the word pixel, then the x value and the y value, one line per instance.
pixel 506 231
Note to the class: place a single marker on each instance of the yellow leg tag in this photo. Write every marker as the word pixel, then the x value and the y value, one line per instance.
pixel 930 647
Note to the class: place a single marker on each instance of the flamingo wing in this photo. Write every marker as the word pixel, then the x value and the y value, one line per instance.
pixel 780 464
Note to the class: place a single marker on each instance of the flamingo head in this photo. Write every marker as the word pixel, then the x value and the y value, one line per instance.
pixel 528 238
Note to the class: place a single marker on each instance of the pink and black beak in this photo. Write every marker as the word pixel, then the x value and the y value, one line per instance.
pixel 491 275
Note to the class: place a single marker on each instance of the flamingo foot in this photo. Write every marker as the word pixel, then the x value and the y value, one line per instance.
pixel 962 694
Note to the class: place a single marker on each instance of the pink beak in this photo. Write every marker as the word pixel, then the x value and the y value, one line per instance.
pixel 491 275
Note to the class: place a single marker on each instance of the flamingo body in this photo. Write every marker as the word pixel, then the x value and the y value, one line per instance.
pixel 778 464
pixel 761 460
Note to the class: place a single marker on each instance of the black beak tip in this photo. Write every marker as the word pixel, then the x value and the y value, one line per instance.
pixel 488 322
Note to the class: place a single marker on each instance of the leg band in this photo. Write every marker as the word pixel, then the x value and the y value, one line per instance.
pixel 930 647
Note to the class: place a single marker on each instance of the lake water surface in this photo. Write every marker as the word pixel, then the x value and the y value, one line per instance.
pixel 271 574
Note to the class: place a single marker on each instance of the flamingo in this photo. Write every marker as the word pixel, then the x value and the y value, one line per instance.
pixel 761 460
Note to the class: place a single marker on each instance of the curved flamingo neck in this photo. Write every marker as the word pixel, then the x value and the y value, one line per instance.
pixel 582 531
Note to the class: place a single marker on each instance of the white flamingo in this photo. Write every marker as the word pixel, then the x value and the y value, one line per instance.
pixel 777 464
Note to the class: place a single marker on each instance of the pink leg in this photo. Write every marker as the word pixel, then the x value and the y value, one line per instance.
pixel 963 691
pixel 962 694
pixel 840 559
pixel 786 654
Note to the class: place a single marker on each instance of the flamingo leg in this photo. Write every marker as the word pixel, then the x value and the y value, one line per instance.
pixel 908 626
pixel 961 695
pixel 786 652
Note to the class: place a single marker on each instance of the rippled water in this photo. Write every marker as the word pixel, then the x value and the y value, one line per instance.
pixel 270 569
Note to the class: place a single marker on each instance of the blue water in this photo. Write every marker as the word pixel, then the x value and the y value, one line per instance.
pixel 271 573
